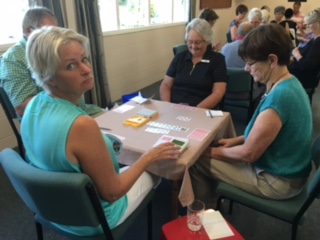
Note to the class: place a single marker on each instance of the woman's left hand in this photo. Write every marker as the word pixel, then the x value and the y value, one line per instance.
pixel 296 53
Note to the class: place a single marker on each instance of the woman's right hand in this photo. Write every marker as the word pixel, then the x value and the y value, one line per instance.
pixel 164 151
pixel 230 142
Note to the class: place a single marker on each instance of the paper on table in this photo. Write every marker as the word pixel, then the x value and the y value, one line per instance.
pixel 139 99
pixel 123 108
pixel 214 113
pixel 215 225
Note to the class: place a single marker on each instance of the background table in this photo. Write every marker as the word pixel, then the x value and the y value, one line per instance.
pixel 137 140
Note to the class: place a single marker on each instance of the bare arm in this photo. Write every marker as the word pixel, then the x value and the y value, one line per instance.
pixel 263 133
pixel 234 32
pixel 218 91
pixel 20 108
pixel 165 88
pixel 86 147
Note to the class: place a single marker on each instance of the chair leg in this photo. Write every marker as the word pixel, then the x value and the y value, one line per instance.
pixel 230 206
pixel 218 205
pixel 294 231
pixel 176 185
pixel 39 231
pixel 149 214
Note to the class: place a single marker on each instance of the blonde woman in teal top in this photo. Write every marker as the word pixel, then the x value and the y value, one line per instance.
pixel 273 157
pixel 60 136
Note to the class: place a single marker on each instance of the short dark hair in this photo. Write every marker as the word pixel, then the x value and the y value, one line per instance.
pixel 265 40
pixel 279 9
pixel 208 14
pixel 241 9
pixel 298 3
pixel 288 13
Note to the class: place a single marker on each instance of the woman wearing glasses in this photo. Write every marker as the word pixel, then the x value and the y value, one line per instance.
pixel 273 157
pixel 306 60
pixel 196 77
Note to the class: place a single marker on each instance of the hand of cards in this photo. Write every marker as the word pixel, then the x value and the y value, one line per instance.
pixel 180 142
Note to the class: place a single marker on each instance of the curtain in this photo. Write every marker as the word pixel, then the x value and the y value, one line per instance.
pixel 56 6
pixel 88 24
pixel 192 10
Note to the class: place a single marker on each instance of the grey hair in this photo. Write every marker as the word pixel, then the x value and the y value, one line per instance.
pixel 43 51
pixel 313 16
pixel 34 18
pixel 279 9
pixel 255 13
pixel 202 27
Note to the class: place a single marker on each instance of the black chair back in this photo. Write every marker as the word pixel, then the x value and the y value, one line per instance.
pixel 11 115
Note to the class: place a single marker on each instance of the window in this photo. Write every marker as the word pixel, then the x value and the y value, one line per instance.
pixel 126 14
pixel 11 15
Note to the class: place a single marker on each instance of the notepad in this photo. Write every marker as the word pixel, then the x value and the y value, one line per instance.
pixel 215 225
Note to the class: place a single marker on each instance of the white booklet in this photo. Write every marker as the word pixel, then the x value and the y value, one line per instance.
pixel 215 225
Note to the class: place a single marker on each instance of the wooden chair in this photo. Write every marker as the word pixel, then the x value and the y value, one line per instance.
pixel 290 210
pixel 64 198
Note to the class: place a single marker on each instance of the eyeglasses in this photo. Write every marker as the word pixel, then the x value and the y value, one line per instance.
pixel 196 43
pixel 251 63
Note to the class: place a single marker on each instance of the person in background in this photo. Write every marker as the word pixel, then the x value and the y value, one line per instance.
pixel 230 50
pixel 16 78
pixel 306 60
pixel 261 161
pixel 65 76
pixel 278 14
pixel 265 16
pixel 196 77
pixel 288 15
pixel 255 17
pixel 265 7
pixel 233 60
pixel 211 17
pixel 289 24
pixel 241 12
pixel 298 16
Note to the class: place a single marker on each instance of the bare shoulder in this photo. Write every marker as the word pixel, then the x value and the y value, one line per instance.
pixel 85 125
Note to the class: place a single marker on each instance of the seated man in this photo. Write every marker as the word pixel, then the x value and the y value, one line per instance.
pixel 15 76
pixel 233 60
pixel 230 50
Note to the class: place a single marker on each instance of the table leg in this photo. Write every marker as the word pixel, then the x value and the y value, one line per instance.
pixel 176 184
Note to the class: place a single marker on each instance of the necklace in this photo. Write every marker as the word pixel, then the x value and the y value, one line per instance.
pixel 268 91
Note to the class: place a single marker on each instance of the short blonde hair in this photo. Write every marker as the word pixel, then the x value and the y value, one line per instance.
pixel 265 16
pixel 43 51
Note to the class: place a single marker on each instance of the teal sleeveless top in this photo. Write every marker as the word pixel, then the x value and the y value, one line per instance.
pixel 289 155
pixel 44 128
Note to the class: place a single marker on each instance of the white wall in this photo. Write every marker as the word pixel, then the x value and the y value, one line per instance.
pixel 136 60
